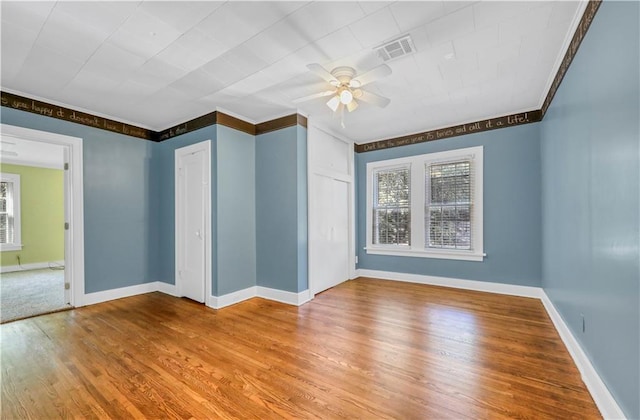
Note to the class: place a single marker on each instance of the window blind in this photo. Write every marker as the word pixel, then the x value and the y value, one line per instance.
pixel 449 205
pixel 6 207
pixel 392 207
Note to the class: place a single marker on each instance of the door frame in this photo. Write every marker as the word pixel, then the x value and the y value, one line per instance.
pixel 73 203
pixel 179 225
pixel 314 170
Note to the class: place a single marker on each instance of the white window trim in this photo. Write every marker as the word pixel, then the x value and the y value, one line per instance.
pixel 16 245
pixel 417 165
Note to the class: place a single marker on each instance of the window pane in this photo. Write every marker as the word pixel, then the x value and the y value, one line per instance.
pixel 4 229
pixel 392 187
pixel 448 206
pixel 391 208
pixel 391 226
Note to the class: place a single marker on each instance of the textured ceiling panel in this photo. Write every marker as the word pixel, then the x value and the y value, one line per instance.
pixel 157 63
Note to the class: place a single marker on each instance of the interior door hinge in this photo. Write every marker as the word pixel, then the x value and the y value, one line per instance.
pixel 67 286
pixel 66 166
pixel 66 225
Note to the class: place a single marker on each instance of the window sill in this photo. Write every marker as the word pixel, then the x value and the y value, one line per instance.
pixel 445 255
pixel 11 247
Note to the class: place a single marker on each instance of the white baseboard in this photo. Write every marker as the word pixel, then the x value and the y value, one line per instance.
pixel 122 292
pixel 481 286
pixel 32 266
pixel 166 288
pixel 218 302
pixel 283 296
pixel 607 405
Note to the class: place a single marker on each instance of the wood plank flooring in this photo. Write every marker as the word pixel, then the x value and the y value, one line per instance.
pixel 364 349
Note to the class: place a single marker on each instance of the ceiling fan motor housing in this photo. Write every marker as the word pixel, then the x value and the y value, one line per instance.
pixel 344 74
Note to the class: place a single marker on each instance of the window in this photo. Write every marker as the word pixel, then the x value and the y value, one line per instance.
pixel 391 221
pixel 427 206
pixel 10 212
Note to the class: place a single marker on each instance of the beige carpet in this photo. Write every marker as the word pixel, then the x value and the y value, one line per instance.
pixel 28 293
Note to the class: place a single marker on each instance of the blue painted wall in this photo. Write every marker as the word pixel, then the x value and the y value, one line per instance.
pixel 163 185
pixel 236 211
pixel 120 207
pixel 590 194
pixel 512 213
pixel 303 232
pixel 281 204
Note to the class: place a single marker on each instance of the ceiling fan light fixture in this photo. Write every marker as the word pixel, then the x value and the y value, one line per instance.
pixel 351 106
pixel 333 103
pixel 346 96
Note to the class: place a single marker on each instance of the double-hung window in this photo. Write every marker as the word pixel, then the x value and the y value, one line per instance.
pixel 427 206
pixel 10 212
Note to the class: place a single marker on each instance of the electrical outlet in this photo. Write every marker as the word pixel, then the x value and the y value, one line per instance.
pixel 584 327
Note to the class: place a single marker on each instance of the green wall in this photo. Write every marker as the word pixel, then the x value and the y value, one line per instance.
pixel 42 212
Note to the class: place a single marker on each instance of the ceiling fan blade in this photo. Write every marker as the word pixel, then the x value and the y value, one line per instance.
pixel 351 106
pixel 314 96
pixel 371 76
pixel 322 72
pixel 374 99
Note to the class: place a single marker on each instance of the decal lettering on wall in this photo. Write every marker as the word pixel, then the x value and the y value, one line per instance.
pixel 54 111
pixel 458 130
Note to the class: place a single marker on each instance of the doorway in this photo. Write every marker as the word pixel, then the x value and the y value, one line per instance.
pixel 193 221
pixel 42 222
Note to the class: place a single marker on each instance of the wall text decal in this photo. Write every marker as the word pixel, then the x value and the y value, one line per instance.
pixel 21 103
pixel 457 130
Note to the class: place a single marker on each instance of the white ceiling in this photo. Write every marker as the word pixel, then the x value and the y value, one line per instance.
pixel 31 153
pixel 157 64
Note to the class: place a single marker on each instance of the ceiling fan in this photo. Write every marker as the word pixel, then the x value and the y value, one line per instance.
pixel 347 86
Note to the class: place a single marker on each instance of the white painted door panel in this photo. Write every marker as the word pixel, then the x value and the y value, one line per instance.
pixel 330 259
pixel 192 234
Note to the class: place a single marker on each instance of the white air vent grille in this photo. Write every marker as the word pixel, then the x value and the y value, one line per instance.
pixel 395 49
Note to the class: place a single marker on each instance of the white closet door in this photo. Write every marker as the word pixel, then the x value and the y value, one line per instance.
pixel 330 257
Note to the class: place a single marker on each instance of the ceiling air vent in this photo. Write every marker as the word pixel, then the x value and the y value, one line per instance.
pixel 395 49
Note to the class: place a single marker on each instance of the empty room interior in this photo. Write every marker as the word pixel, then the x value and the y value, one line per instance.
pixel 273 209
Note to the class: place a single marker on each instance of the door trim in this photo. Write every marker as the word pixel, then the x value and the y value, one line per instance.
pixel 74 204
pixel 349 178
pixel 183 151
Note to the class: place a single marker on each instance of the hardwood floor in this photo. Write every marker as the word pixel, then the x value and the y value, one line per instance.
pixel 364 349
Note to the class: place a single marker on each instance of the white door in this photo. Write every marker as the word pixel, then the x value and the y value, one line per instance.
pixel 330 257
pixel 192 227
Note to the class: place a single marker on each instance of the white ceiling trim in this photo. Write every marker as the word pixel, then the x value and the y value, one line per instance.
pixel 565 47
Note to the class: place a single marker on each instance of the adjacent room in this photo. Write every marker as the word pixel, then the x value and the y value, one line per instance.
pixel 409 209
pixel 31 230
